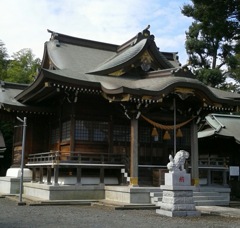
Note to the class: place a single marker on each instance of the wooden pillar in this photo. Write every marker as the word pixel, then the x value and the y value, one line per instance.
pixel 134 153
pixel 225 178
pixel 49 175
pixel 194 154
pixel 209 177
pixel 41 175
pixel 79 175
pixel 72 137
pixel 33 175
pixel 102 176
pixel 56 174
pixel 110 136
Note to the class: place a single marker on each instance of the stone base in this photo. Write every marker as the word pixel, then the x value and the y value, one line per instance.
pixel 177 201
pixel 129 194
pixel 178 213
pixel 11 185
pixel 64 192
pixel 177 197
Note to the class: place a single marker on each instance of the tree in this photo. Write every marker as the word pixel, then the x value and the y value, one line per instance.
pixel 211 41
pixel 3 61
pixel 23 67
pixel 235 71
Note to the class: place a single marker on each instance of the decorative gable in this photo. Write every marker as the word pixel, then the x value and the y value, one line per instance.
pixel 139 52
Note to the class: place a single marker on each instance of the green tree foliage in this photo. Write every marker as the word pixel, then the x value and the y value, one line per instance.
pixel 235 71
pixel 3 61
pixel 23 67
pixel 211 41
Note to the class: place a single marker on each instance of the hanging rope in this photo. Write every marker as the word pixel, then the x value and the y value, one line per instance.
pixel 166 127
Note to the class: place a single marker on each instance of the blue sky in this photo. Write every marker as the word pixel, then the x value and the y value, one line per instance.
pixel 24 23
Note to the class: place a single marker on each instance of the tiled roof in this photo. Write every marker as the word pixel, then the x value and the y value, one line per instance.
pixel 222 125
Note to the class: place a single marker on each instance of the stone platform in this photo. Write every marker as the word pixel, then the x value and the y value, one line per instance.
pixel 129 194
pixel 10 184
pixel 64 192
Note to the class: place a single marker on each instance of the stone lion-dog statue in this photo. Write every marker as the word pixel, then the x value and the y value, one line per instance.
pixel 176 164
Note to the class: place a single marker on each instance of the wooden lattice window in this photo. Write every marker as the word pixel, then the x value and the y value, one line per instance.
pixel 185 140
pixel 54 135
pixel 144 134
pixel 66 130
pixel 121 133
pixel 96 131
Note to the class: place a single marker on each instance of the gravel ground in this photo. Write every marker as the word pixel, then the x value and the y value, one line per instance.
pixel 12 215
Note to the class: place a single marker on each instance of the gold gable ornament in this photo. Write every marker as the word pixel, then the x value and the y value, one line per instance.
pixel 146 61
pixel 117 73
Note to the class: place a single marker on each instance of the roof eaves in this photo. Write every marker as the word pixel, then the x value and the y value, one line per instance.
pixel 214 123
pixel 35 85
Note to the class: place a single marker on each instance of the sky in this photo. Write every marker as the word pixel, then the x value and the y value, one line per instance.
pixel 24 23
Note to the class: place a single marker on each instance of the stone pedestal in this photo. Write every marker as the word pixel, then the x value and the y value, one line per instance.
pixel 177 197
pixel 10 184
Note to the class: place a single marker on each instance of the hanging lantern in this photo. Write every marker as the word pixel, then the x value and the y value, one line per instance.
pixel 166 136
pixel 154 132
pixel 179 133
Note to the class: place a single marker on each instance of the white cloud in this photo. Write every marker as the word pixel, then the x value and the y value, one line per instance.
pixel 24 23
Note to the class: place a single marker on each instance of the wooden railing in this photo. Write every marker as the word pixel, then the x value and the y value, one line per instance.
pixel 214 161
pixel 75 157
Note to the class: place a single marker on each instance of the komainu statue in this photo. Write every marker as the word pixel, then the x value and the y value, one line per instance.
pixel 176 164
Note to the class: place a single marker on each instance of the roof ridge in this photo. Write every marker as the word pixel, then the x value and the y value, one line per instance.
pixel 145 34
pixel 59 37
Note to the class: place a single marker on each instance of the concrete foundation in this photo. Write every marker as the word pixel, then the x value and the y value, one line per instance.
pixel 84 180
pixel 92 189
pixel 11 185
pixel 64 192
pixel 128 194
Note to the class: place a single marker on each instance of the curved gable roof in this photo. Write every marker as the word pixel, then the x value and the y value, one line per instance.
pixel 118 60
pixel 65 52
pixel 74 58
pixel 133 54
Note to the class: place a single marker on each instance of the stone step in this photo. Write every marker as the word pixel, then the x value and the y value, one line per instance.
pixel 155 194
pixel 212 203
pixel 199 198
pixel 205 203
pixel 202 198
pixel 205 193
pixel 234 204
pixel 155 199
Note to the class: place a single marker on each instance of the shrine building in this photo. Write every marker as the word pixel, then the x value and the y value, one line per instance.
pixel 102 118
